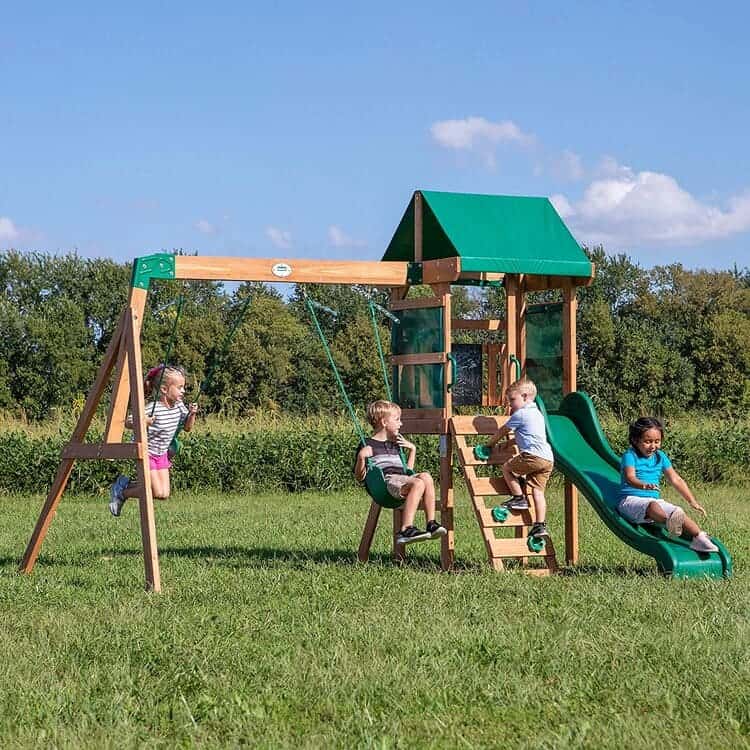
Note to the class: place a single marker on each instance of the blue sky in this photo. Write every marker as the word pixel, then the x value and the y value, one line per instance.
pixel 301 129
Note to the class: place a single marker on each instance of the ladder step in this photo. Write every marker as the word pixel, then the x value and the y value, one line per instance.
pixel 477 425
pixel 518 548
pixel 515 518
pixel 487 486
pixel 500 454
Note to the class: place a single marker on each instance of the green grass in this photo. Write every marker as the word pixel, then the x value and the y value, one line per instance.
pixel 269 634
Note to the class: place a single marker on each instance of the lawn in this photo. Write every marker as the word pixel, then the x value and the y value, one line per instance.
pixel 269 634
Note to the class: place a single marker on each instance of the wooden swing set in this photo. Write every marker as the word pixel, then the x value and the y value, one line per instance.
pixel 428 248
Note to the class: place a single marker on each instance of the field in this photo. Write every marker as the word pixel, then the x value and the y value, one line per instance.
pixel 269 634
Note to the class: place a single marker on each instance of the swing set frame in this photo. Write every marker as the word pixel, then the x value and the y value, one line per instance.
pixel 466 222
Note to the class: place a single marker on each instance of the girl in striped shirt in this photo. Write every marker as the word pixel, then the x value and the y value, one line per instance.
pixel 165 414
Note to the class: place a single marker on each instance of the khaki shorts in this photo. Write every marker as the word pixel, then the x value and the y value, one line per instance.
pixel 395 483
pixel 535 469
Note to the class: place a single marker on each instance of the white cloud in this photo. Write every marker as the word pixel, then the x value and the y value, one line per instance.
pixel 624 207
pixel 8 230
pixel 205 227
pixel 339 238
pixel 569 166
pixel 479 135
pixel 279 237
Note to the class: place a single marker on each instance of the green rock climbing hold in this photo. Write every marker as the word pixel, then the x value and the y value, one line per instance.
pixel 500 513
pixel 482 452
pixel 535 543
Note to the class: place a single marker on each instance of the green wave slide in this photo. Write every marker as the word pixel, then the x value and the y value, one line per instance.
pixel 588 461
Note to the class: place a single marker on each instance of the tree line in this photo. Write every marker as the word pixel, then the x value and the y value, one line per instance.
pixel 663 340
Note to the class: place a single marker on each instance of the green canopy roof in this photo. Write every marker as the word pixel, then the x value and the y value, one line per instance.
pixel 491 233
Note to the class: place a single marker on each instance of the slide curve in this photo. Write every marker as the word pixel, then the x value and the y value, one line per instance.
pixel 585 457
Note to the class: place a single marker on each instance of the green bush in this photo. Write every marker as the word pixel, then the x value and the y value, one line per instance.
pixel 297 456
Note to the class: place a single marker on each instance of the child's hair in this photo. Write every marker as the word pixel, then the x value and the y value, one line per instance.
pixel 523 386
pixel 641 425
pixel 377 411
pixel 155 374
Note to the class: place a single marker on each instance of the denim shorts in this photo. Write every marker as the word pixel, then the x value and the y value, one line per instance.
pixel 634 508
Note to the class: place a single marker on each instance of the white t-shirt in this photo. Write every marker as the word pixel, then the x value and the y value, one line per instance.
pixel 531 434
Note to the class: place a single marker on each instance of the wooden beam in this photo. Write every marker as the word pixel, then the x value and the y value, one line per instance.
pixel 540 283
pixel 120 451
pixel 511 330
pixel 145 499
pixel 428 358
pixel 441 270
pixel 459 324
pixel 418 221
pixel 416 303
pixel 521 323
pixel 301 271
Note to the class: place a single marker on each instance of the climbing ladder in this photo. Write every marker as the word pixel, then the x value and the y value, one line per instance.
pixel 495 490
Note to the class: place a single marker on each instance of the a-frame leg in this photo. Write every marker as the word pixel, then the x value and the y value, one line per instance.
pixel 368 533
pixel 145 500
pixel 66 465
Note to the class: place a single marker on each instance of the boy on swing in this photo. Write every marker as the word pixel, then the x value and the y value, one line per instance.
pixel 384 449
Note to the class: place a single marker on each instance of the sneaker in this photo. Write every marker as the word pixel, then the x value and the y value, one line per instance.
pixel 434 529
pixel 703 543
pixel 675 521
pixel 539 530
pixel 116 500
pixel 411 534
pixel 517 503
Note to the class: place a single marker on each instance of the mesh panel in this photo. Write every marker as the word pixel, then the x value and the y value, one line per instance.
pixel 419 386
pixel 544 363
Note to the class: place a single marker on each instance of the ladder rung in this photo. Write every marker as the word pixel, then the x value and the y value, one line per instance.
pixel 517 548
pixel 477 425
pixel 515 518
pixel 487 486
pixel 500 454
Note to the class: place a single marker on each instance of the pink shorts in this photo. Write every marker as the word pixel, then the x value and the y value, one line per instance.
pixel 159 462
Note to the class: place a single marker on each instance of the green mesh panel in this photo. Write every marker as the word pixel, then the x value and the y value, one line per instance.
pixel 419 386
pixel 419 331
pixel 544 363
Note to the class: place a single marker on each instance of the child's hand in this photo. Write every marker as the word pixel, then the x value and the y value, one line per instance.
pixel 193 408
pixel 647 486
pixel 402 442
pixel 149 421
pixel 699 508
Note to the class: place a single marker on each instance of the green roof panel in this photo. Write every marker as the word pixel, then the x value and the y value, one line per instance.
pixel 493 233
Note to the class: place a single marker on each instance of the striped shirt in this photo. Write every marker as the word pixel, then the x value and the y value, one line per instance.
pixel 386 456
pixel 164 427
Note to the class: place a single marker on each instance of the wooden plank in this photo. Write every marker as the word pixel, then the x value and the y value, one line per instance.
pixel 521 324
pixel 121 385
pixel 514 520
pixel 571 523
pixel 418 223
pixel 499 455
pixel 291 270
pixel 103 450
pixel 428 358
pixel 363 553
pixel 511 326
pixel 145 500
pixel 495 353
pixel 422 414
pixel 424 426
pixel 515 548
pixel 444 269
pixel 488 486
pixel 415 303
pixel 481 276
pixel 448 542
pixel 477 424
pixel 460 324
pixel 541 283
pixel 570 361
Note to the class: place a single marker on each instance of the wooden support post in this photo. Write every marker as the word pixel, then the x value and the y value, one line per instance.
pixel 511 328
pixel 66 465
pixel 521 323
pixel 418 216
pixel 368 533
pixel 570 361
pixel 138 409
pixel 121 388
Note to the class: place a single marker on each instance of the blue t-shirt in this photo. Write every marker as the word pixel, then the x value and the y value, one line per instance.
pixel 531 435
pixel 647 470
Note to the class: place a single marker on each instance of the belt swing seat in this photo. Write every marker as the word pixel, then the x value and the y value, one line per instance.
pixel 374 482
